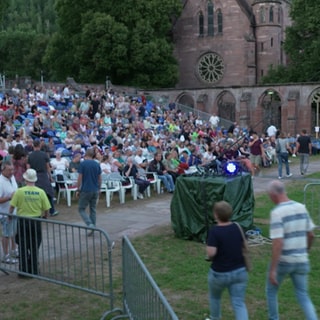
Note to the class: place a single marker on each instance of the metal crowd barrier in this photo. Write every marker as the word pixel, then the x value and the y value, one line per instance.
pixel 311 197
pixel 65 254
pixel 223 123
pixel 142 298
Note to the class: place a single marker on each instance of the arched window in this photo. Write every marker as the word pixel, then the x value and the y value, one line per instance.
pixel 201 24
pixel 220 21
pixel 210 18
pixel 271 14
pixel 262 15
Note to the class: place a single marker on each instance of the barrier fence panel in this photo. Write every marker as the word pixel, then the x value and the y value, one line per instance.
pixel 142 298
pixel 223 123
pixel 311 193
pixel 67 254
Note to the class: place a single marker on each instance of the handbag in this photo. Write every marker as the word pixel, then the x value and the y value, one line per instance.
pixel 245 249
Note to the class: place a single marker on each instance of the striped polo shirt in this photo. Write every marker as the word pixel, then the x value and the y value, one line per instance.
pixel 291 221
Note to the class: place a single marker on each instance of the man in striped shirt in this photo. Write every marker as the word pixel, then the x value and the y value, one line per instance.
pixel 291 232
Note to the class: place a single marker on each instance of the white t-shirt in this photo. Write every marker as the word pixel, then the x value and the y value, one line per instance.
pixel 214 120
pixel 59 166
pixel 271 131
pixel 105 167
pixel 7 187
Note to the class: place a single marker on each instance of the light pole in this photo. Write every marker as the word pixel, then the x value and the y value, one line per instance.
pixel 41 78
pixel 107 83
pixel 270 94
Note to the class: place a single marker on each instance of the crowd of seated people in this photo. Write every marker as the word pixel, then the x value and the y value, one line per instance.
pixel 123 129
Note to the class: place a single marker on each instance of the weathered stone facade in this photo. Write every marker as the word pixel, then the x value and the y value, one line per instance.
pixel 288 107
pixel 229 42
pixel 224 48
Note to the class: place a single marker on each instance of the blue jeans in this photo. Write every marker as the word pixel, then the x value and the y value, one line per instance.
pixel 298 273
pixel 167 181
pixel 88 199
pixel 236 283
pixel 9 227
pixel 283 157
pixel 304 162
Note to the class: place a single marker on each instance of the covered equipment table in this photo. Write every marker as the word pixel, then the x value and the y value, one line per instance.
pixel 193 199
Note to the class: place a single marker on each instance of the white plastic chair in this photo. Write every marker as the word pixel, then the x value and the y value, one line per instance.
pixel 116 176
pixel 110 187
pixel 152 177
pixel 66 187
pixel 130 185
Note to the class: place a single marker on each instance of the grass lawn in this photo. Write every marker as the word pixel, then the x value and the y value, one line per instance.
pixel 179 268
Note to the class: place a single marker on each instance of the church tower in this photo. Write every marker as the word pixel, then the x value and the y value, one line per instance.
pixel 229 42
pixel 269 35
pixel 215 44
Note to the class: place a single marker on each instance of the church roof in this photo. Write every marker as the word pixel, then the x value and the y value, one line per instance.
pixel 246 8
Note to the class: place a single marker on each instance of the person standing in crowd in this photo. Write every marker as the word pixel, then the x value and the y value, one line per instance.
pixel 131 170
pixel 31 202
pixel 291 232
pixel 89 184
pixel 39 161
pixel 271 131
pixel 19 161
pixel 227 271
pixel 214 120
pixel 304 149
pixel 282 145
pixel 8 187
pixel 256 151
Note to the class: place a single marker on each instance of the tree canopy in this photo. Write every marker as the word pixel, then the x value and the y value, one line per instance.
pixel 302 45
pixel 129 41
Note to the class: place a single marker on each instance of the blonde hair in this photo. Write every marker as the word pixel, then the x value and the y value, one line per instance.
pixel 222 210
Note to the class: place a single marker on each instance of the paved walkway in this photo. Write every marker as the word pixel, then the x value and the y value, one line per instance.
pixel 136 217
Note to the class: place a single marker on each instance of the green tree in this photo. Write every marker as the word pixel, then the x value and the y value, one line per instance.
pixel 36 15
pixel 102 50
pixel 4 5
pixel 128 40
pixel 302 45
pixel 21 53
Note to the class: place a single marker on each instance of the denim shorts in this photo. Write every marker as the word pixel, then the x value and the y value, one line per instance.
pixel 9 228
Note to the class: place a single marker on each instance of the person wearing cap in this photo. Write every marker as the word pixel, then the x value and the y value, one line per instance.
pixel 30 202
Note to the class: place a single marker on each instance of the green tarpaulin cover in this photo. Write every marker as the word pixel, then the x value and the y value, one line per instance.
pixel 193 199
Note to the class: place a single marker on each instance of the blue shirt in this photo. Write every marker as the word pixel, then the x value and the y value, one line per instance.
pixel 90 170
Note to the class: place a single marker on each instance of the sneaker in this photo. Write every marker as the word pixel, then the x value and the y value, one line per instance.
pixel 9 260
pixel 289 175
pixel 15 253
pixel 54 214
pixel 140 195
pixel 279 178
pixel 294 155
